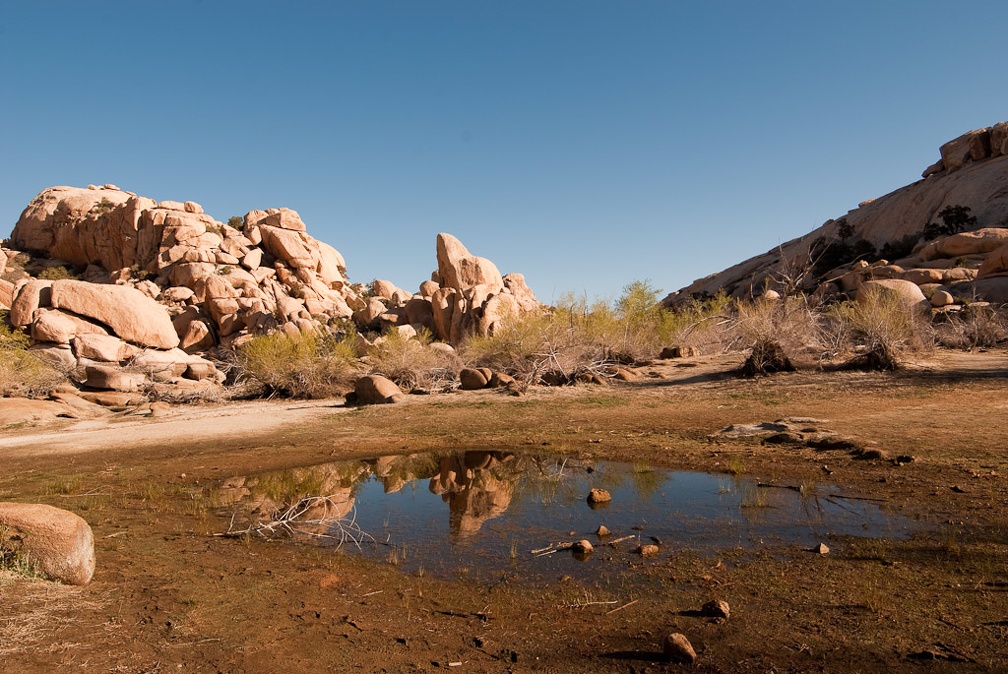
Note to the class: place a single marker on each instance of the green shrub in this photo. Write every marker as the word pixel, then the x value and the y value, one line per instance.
pixel 955 218
pixel 308 366
pixel 56 274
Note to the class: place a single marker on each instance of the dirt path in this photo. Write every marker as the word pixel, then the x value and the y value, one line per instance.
pixel 181 424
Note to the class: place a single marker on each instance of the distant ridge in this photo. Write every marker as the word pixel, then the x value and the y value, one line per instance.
pixel 972 172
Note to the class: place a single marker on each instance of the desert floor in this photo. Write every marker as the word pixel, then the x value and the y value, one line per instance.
pixel 926 443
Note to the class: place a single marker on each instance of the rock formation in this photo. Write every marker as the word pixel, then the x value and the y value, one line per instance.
pixel 886 235
pixel 164 289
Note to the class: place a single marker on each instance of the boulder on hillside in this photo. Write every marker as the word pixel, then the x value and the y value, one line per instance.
pixel 909 294
pixel 133 316
pixel 977 177
pixel 57 542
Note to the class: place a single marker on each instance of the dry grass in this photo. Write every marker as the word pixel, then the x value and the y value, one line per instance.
pixel 307 366
pixel 21 372
pixel 880 329
pixel 411 363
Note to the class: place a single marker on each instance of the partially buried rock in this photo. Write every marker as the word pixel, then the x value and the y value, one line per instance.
pixel 582 547
pixel 716 608
pixel 375 390
pixel 648 550
pixel 821 549
pixel 57 542
pixel 602 531
pixel 677 648
pixel 597 497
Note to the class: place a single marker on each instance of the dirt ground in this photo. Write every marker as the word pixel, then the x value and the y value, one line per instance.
pixel 168 595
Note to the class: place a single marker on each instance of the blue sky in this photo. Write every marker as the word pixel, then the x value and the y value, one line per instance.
pixel 586 144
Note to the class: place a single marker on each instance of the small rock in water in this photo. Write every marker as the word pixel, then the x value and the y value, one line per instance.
pixel 582 547
pixel 599 496
pixel 647 550
pixel 716 608
pixel 821 549
pixel 602 531
pixel 677 648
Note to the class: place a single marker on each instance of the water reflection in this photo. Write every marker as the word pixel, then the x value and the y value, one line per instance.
pixel 501 506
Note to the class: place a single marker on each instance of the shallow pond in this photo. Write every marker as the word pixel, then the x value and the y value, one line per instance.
pixel 490 513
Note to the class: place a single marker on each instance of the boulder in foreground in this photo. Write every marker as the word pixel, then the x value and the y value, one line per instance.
pixel 57 542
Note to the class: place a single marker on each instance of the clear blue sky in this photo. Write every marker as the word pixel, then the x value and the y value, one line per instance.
pixel 586 144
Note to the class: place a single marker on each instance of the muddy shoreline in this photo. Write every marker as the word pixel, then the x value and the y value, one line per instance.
pixel 170 595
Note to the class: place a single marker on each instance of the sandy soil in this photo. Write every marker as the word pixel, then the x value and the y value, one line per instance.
pixel 169 595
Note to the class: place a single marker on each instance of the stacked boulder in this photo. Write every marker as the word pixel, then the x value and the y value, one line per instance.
pixel 163 285
pixel 949 271
pixel 465 296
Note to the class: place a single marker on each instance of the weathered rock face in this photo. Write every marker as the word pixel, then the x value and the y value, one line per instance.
pixel 135 317
pixel 459 269
pixel 973 172
pixel 58 542
pixel 160 282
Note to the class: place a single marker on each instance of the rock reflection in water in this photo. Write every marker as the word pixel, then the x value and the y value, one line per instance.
pixel 501 506
pixel 476 485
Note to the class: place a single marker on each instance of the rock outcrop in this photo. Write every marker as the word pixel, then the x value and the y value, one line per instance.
pixel 157 285
pixel 972 172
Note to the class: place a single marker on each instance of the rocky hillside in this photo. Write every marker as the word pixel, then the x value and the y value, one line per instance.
pixel 886 238
pixel 101 278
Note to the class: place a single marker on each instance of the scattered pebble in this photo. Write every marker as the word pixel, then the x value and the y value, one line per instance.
pixel 677 648
pixel 599 496
pixel 821 549
pixel 602 531
pixel 647 550
pixel 583 547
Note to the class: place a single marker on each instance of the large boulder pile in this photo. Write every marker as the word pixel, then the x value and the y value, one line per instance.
pixel 972 172
pixel 164 289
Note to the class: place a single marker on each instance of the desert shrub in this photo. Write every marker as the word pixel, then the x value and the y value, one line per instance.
pixel 21 372
pixel 412 363
pixel 236 221
pixel 305 366
pixel 699 322
pixel 576 337
pixel 974 327
pixel 792 323
pixel 955 219
pixel 900 248
pixel 882 327
pixel 766 357
pixel 56 274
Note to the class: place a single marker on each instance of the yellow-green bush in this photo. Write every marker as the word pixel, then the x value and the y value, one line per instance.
pixel 305 366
